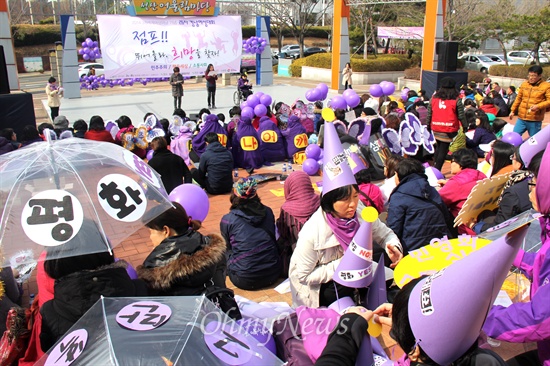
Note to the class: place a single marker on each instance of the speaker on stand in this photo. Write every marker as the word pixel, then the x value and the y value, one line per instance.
pixel 447 56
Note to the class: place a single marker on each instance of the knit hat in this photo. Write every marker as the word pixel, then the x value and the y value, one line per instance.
pixel 447 309
pixel 448 83
pixel 245 188
pixel 60 122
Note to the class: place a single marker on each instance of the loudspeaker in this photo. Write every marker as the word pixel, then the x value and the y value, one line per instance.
pixel 17 111
pixel 431 80
pixel 4 82
pixel 447 55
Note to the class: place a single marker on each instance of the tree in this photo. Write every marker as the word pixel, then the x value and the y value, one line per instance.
pixel 536 28
pixel 498 22
pixel 458 19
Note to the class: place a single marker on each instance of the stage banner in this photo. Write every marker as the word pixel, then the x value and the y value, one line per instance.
pixel 401 32
pixel 188 7
pixel 149 47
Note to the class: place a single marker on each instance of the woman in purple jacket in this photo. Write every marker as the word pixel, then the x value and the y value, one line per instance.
pixel 530 322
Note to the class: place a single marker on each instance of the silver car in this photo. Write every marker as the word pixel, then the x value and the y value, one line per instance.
pixel 526 57
pixel 501 59
pixel 479 62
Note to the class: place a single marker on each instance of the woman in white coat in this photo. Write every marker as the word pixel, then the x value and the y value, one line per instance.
pixel 321 244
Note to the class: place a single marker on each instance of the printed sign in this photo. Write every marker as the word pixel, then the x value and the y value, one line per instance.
pixel 141 167
pixel 249 143
pixel 355 274
pixel 121 197
pixel 143 315
pixel 52 217
pixel 173 7
pixel 68 349
pixel 150 47
pixel 269 136
pixel 226 344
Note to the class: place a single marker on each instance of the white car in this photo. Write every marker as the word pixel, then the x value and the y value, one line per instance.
pixel 479 62
pixel 501 59
pixel 526 57
pixel 84 69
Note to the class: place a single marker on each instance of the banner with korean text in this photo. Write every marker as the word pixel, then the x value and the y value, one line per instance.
pixel 143 47
pixel 401 32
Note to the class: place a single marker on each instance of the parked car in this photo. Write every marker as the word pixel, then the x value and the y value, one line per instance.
pixel 526 57
pixel 500 58
pixel 84 69
pixel 290 47
pixel 479 62
pixel 311 51
pixel 248 63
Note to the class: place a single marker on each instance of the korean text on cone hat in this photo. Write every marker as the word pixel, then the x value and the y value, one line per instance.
pixel 534 144
pixel 336 170
pixel 448 308
pixel 356 268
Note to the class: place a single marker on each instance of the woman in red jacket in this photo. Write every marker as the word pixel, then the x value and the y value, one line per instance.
pixel 211 77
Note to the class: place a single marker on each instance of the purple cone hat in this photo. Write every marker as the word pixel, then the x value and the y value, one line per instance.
pixel 342 304
pixel 356 163
pixel 355 269
pixel 377 294
pixel 534 144
pixel 336 170
pixel 448 308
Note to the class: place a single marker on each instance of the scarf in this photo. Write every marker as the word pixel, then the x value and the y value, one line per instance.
pixel 344 229
pixel 515 177
pixel 300 198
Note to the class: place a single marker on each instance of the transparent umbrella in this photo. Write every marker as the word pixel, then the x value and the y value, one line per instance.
pixel 51 190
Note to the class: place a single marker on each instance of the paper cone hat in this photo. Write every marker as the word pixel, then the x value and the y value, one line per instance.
pixel 534 144
pixel 448 308
pixel 356 163
pixel 336 170
pixel 356 268
pixel 377 294
pixel 342 304
pixel 365 356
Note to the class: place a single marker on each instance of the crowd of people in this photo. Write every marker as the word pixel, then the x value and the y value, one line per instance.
pixel 309 238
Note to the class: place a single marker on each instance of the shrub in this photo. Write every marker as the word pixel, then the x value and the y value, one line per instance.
pixel 476 76
pixel 516 71
pixel 413 73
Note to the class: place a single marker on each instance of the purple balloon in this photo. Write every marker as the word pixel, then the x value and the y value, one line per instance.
pixel 244 105
pixel 86 56
pixel 89 42
pixel 313 151
pixel 252 100
pixel 193 199
pixel 405 94
pixel 376 91
pixel 310 95
pixel 388 88
pixel 310 166
pixel 266 99
pixel 260 110
pixel 247 112
pixel 513 138
pixel 323 88
pixel 353 101
pixel 81 51
pixel 149 155
pixel 348 93
pixel 338 102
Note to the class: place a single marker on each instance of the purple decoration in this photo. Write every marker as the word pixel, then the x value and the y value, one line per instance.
pixel 309 95
pixel 376 90
pixel 348 93
pixel 313 151
pixel 353 101
pixel 86 56
pixel 259 94
pixel 392 140
pixel 252 100
pixel 193 199
pixel 149 155
pixel 134 316
pixel 388 88
pixel 265 99
pixel 272 144
pixel 513 138
pixel 310 166
pixel 244 105
pixel 256 329
pixel 247 112
pixel 260 110
pixel 58 355
pixel 323 88
pixel 405 94
pixel 247 136
pixel 338 102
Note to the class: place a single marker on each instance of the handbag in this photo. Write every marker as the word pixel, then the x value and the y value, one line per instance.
pixel 16 337
pixel 459 141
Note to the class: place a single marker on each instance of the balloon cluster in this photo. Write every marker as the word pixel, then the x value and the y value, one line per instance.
pixel 254 45
pixel 256 105
pixel 314 161
pixel 89 50
pixel 93 82
pixel 348 98
pixel 319 93
pixel 384 88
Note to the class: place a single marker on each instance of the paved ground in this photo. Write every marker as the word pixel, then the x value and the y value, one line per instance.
pixel 156 97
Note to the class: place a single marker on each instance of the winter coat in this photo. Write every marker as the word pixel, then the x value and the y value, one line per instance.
pixel 5 145
pixel 457 189
pixel 54 95
pixel 75 294
pixel 216 168
pixel 250 239
pixel 243 84
pixel 210 79
pixel 102 135
pixel 529 95
pixel 373 192
pixel 172 169
pixel 503 109
pixel 481 136
pixel 344 342
pixel 317 255
pixel 346 75
pixel 177 88
pixel 515 200
pixel 183 265
pixel 489 108
pixel 416 212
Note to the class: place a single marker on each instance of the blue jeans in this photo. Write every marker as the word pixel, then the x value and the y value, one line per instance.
pixel 530 126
